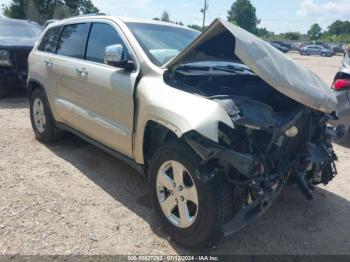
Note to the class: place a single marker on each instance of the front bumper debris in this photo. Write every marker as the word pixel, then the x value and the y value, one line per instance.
pixel 310 166
pixel 207 150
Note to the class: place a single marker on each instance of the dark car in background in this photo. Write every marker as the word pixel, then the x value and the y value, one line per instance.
pixel 341 88
pixel 337 48
pixel 17 38
pixel 279 47
pixel 283 44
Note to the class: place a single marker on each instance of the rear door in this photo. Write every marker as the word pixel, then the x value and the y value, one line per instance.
pixel 42 66
pixel 70 56
pixel 105 109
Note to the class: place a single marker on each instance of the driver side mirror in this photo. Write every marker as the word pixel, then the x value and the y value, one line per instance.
pixel 115 56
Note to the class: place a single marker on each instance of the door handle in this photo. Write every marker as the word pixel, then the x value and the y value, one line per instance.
pixel 48 62
pixel 83 72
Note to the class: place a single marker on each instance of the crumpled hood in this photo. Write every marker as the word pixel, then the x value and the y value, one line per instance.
pixel 14 42
pixel 275 68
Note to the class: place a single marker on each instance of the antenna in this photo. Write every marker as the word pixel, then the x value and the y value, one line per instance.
pixel 204 11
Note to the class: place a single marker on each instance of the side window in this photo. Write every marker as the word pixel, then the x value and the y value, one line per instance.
pixel 101 36
pixel 50 39
pixel 73 40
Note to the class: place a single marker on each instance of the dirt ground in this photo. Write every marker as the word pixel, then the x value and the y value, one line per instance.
pixel 71 198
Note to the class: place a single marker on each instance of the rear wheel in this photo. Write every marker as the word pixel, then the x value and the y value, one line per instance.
pixel 192 212
pixel 42 122
pixel 323 54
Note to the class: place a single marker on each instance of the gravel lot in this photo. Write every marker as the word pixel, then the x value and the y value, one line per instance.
pixel 72 198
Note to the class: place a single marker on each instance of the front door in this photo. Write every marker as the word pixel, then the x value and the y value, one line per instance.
pixel 105 110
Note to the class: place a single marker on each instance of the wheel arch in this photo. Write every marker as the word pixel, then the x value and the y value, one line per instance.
pixel 177 124
pixel 155 134
pixel 33 84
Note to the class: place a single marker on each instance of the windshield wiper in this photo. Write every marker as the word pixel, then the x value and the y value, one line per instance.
pixel 231 68
pixel 194 68
pixel 226 68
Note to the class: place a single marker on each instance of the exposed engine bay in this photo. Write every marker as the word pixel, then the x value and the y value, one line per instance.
pixel 276 140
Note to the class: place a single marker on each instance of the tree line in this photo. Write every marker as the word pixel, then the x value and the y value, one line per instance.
pixel 42 10
pixel 241 13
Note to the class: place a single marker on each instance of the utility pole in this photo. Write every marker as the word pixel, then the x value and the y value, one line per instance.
pixel 204 11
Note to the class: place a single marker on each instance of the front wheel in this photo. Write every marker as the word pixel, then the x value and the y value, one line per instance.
pixel 192 212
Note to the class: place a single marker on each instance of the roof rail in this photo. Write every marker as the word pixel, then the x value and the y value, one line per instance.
pixel 91 14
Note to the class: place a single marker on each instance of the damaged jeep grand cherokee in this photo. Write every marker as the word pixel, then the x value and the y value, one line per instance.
pixel 219 123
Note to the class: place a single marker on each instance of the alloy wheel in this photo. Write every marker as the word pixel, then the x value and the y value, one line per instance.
pixel 39 115
pixel 177 194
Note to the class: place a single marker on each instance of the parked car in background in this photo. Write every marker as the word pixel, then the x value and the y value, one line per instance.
pixel 338 49
pixel 316 50
pixel 341 88
pixel 217 132
pixel 283 44
pixel 296 46
pixel 17 38
pixel 281 48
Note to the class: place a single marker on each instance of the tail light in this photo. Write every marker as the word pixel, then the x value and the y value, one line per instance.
pixel 341 84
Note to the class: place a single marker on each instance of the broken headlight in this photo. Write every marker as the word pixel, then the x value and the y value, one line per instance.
pixel 5 59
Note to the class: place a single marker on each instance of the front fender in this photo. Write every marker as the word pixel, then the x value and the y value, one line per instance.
pixel 175 109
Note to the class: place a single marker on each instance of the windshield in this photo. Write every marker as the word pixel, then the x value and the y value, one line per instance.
pixel 18 30
pixel 160 42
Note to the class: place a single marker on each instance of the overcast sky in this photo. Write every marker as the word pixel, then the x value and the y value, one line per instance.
pixel 276 15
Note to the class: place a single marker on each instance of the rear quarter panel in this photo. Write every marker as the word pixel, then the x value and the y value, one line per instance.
pixel 45 76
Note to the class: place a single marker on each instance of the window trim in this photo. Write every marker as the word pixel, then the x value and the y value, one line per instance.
pixel 87 41
pixel 114 24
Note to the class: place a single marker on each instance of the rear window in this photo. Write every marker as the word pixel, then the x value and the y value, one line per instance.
pixel 73 40
pixel 50 39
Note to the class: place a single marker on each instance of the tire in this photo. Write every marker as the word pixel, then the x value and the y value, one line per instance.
pixel 43 124
pixel 213 197
pixel 323 54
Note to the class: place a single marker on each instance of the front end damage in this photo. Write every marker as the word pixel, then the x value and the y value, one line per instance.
pixel 279 111
pixel 264 152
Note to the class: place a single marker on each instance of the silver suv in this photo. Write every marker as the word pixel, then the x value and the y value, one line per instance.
pixel 218 123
